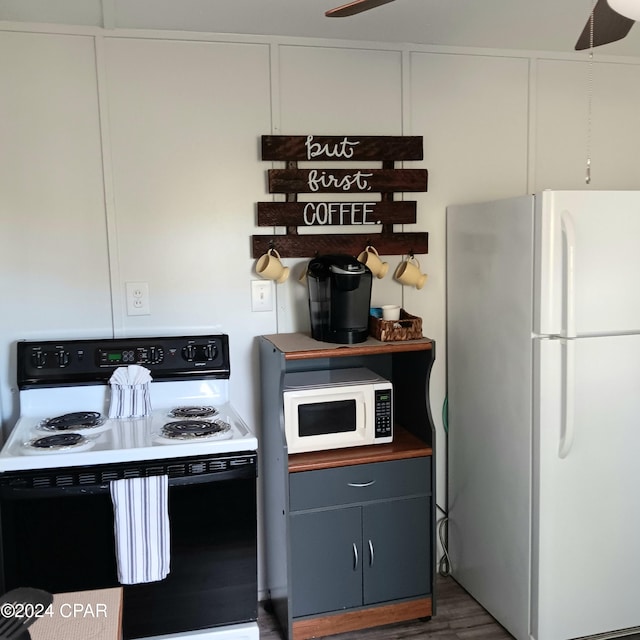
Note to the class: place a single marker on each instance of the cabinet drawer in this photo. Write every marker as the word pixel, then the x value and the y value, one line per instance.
pixel 359 483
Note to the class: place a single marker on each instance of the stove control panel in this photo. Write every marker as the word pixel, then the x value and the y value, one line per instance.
pixel 120 356
pixel 57 358
pixel 61 363
pixel 199 352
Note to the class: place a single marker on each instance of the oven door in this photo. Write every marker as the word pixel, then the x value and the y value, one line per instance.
pixel 57 530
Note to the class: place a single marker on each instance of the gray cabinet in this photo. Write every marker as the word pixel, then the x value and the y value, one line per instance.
pixel 371 547
pixel 325 562
pixel 349 534
pixel 396 550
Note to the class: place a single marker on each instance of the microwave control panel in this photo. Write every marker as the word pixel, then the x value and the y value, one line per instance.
pixel 384 414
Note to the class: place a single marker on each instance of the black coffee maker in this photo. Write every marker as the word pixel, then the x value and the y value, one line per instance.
pixel 339 299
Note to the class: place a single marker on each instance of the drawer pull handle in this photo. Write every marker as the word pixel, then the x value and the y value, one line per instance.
pixel 362 484
pixel 371 556
pixel 355 556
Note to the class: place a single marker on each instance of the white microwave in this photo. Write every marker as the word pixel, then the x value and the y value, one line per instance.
pixel 336 408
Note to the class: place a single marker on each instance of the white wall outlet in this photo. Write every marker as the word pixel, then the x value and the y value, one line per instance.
pixel 261 295
pixel 138 299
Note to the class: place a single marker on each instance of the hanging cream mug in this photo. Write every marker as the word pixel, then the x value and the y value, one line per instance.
pixel 302 278
pixel 269 267
pixel 371 259
pixel 408 272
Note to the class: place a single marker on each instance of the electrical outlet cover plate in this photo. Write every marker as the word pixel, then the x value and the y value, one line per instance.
pixel 138 299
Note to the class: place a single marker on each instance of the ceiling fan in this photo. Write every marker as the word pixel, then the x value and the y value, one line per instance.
pixel 351 8
pixel 612 20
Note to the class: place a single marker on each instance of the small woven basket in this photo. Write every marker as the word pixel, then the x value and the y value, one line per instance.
pixel 408 327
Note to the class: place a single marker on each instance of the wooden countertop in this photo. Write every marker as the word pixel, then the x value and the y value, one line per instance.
pixel 404 445
pixel 301 346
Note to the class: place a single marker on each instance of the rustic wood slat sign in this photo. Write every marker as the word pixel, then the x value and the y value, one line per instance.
pixel 382 215
pixel 297 246
pixel 394 148
pixel 311 214
pixel 346 180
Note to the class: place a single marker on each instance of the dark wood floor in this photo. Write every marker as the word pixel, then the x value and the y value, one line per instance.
pixel 458 617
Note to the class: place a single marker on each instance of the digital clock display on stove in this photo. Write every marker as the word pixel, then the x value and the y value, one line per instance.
pixel 135 355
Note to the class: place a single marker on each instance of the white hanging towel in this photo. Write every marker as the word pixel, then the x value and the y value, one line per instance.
pixel 141 524
pixel 130 396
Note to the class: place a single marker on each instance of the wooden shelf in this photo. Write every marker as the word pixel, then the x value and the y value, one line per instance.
pixel 301 346
pixel 404 445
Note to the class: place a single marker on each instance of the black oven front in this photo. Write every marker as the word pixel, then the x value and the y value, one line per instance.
pixel 57 528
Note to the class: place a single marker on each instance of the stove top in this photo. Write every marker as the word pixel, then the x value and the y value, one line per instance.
pixel 64 402
pixel 32 446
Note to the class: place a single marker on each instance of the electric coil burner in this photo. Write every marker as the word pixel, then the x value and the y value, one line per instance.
pixel 73 421
pixel 58 441
pixel 59 461
pixel 186 429
pixel 193 412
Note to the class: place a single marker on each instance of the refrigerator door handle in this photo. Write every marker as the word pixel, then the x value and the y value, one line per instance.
pixel 569 234
pixel 567 431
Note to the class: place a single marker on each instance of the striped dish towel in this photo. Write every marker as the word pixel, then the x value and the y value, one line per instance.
pixel 129 401
pixel 141 524
pixel 130 396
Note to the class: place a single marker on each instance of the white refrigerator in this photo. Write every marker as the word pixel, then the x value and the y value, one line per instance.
pixel 543 368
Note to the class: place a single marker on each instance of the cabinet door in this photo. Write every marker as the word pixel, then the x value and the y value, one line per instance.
pixel 397 550
pixel 326 560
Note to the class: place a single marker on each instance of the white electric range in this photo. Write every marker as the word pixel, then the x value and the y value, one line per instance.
pixel 69 426
pixel 65 450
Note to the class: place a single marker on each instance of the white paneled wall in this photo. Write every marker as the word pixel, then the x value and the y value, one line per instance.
pixel 135 157
pixel 337 91
pixel 184 123
pixel 562 132
pixel 54 275
pixel 477 151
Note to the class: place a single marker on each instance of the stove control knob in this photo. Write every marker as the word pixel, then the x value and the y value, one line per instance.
pixel 39 359
pixel 211 351
pixel 189 352
pixel 62 358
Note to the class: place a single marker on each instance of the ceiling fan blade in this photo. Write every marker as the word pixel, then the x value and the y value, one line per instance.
pixel 608 26
pixel 350 9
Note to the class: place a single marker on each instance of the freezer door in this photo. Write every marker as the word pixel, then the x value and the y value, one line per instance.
pixel 587 262
pixel 586 516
